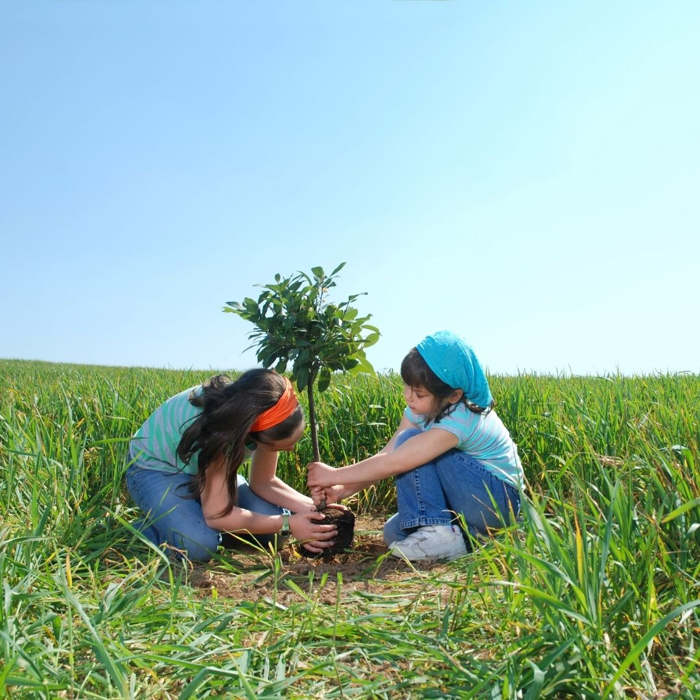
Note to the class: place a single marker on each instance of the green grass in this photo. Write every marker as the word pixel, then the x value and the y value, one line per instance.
pixel 594 593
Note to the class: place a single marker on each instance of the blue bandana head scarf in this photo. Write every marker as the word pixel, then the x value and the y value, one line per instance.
pixel 453 361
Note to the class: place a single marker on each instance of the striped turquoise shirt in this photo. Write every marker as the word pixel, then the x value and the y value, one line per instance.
pixel 154 445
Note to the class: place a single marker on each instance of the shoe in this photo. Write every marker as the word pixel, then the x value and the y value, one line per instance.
pixel 430 543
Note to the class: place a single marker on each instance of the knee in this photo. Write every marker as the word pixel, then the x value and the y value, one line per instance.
pixel 202 549
pixel 405 435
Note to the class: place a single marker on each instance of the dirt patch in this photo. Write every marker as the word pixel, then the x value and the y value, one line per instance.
pixel 365 567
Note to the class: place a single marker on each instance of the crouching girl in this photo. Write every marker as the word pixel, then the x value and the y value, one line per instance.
pixel 185 460
pixel 453 460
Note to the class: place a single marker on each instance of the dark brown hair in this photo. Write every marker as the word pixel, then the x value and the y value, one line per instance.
pixel 415 372
pixel 229 409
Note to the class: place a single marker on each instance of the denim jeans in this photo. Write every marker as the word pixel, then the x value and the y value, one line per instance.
pixel 173 516
pixel 451 485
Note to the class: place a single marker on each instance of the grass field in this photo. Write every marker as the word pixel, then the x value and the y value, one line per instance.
pixel 593 594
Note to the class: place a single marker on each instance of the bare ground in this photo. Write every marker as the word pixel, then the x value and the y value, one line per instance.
pixel 366 567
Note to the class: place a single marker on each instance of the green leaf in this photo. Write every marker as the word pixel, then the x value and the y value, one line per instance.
pixel 538 678
pixel 688 505
pixel 250 310
pixel 363 365
pixel 337 269
pixel 371 339
pixel 301 375
pixel 641 645
pixel 324 379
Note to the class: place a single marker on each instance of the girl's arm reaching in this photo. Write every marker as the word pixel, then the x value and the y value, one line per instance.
pixel 416 451
pixel 266 484
pixel 337 492
pixel 304 525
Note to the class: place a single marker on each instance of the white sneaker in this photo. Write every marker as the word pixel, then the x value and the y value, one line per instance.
pixel 430 543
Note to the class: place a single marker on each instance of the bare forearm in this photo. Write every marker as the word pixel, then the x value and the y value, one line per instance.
pixel 243 520
pixel 352 479
pixel 416 451
pixel 281 494
pixel 362 474
pixel 352 489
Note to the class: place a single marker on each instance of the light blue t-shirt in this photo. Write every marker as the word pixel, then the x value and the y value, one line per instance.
pixel 154 445
pixel 482 436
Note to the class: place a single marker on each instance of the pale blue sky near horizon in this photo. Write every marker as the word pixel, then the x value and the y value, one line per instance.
pixel 525 174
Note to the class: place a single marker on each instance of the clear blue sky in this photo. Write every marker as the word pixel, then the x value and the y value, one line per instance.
pixel 525 174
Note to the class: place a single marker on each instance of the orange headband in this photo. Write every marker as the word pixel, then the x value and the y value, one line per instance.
pixel 285 406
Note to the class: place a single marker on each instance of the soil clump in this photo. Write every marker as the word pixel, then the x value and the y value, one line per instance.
pixel 344 520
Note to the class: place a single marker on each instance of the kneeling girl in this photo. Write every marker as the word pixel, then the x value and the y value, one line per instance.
pixel 185 459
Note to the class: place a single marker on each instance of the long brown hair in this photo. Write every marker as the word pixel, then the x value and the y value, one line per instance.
pixel 229 409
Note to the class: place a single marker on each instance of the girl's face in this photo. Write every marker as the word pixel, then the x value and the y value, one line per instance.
pixel 423 403
pixel 420 400
pixel 286 445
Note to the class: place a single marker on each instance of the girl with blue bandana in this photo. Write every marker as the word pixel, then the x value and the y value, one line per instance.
pixel 452 458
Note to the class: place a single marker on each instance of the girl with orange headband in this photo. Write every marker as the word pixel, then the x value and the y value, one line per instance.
pixel 184 467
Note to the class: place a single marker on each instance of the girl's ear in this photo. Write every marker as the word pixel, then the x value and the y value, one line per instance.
pixel 455 396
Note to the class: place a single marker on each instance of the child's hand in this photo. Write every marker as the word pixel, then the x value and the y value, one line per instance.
pixel 327 496
pixel 320 475
pixel 315 536
pixel 334 494
pixel 318 496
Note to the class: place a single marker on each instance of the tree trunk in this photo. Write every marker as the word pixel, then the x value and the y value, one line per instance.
pixel 312 418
